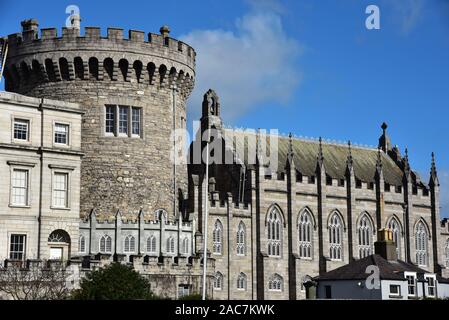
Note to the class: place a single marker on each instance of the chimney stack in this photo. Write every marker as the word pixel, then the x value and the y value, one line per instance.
pixel 385 246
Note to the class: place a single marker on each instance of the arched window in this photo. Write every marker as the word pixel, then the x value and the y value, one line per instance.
pixel 151 244
pixel 393 225
pixel 170 245
pixel 138 67
pixel 49 67
pixel 335 235
pixel 274 226
pixel 218 281
pixel 79 68
pixel 123 66
pixel 421 244
pixel 217 237
pixel 447 253
pixel 93 68
pixel 365 230
pixel 305 235
pixel 108 66
pixel 82 244
pixel 275 283
pixel 130 244
pixel 185 245
pixel 241 239
pixel 64 69
pixel 241 281
pixel 106 244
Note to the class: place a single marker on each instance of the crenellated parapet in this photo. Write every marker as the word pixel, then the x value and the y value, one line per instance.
pixel 149 59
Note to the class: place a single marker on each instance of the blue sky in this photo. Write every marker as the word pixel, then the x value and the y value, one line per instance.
pixel 305 66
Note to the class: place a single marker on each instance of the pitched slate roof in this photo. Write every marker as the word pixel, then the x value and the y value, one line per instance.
pixel 388 270
pixel 335 157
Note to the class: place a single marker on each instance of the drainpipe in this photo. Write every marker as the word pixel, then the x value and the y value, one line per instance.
pixel 41 174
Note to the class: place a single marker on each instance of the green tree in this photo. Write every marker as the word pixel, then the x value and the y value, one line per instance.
pixel 114 282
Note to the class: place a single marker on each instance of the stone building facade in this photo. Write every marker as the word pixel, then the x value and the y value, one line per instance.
pixel 269 231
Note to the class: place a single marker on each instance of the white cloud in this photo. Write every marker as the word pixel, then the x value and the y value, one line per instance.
pixel 249 66
pixel 409 13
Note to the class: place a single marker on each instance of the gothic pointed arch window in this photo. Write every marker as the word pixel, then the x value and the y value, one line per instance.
pixel 335 237
pixel 105 244
pixel 421 244
pixel 151 244
pixel 82 244
pixel 275 283
pixel 218 281
pixel 395 228
pixel 241 281
pixel 171 245
pixel 217 237
pixel 274 228
pixel 130 244
pixel 185 245
pixel 365 231
pixel 305 234
pixel 241 234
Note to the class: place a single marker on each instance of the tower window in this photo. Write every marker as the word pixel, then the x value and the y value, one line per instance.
pixel 123 121
pixel 61 133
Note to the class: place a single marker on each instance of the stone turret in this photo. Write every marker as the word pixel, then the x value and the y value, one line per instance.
pixel 128 88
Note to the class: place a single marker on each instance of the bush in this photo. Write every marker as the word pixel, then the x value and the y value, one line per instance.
pixel 114 282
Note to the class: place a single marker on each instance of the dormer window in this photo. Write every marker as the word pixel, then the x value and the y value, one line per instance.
pixel 411 283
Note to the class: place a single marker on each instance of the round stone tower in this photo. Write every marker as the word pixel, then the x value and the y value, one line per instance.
pixel 133 92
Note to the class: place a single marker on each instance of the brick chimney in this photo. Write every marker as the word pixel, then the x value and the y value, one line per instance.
pixel 385 246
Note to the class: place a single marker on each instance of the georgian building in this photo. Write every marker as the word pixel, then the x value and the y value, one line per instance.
pixel 91 179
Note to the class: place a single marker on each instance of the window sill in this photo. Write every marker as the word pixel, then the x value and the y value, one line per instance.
pixel 61 145
pixel 22 206
pixel 395 297
pixel 60 208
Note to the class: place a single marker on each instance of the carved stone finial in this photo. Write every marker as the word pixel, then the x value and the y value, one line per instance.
pixel 164 30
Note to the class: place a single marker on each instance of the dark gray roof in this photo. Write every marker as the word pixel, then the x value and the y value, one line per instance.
pixel 335 157
pixel 388 270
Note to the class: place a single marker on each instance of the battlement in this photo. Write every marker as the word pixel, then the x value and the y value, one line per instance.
pixel 219 204
pixel 152 59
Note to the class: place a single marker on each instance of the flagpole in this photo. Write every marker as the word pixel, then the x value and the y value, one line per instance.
pixel 206 207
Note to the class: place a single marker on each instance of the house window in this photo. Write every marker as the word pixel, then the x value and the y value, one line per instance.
pixel 123 120
pixel 60 189
pixel 241 239
pixel 430 286
pixel 421 244
pixel 183 290
pixel 21 129
pixel 135 124
pixel 130 244
pixel 335 234
pixel 218 281
pixel 61 133
pixel 275 283
pixel 305 235
pixel 365 236
pixel 395 290
pixel 241 281
pixel 411 282
pixel 82 244
pixel 393 225
pixel 19 187
pixel 274 227
pixel 106 244
pixel 17 247
pixel 110 119
pixel 170 245
pixel 151 244
pixel 217 237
